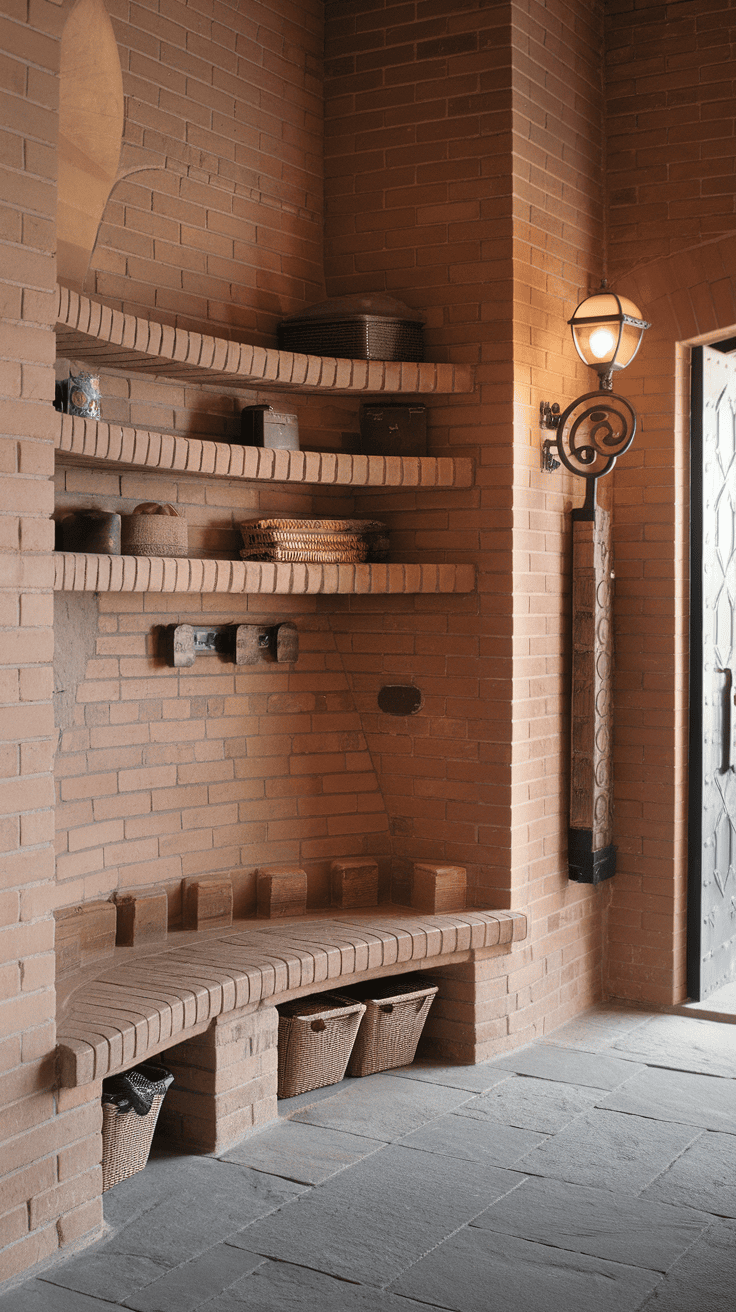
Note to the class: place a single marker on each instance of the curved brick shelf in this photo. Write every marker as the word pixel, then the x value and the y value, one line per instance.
pixel 95 443
pixel 77 572
pixel 102 336
pixel 133 1010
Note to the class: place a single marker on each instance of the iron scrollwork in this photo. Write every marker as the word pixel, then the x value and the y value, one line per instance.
pixel 592 433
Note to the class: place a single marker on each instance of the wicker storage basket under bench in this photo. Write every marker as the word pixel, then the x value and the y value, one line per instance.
pixel 316 1036
pixel 130 1106
pixel 396 1010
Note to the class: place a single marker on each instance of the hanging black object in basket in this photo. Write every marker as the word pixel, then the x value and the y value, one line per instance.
pixel 363 327
pixel 131 1103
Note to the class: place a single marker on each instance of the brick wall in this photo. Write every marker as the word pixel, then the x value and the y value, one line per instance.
pixel 425 199
pixel 671 156
pixel 670 114
pixel 217 214
pixel 47 1178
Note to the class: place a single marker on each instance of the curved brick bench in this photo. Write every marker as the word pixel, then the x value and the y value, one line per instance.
pixel 210 1003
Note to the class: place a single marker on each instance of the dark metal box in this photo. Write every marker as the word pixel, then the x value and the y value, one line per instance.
pixel 260 425
pixel 394 430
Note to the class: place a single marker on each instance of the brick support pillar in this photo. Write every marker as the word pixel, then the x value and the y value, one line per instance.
pixel 225 1081
pixel 469 1019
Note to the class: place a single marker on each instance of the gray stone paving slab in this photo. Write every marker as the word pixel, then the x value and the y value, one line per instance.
pixel 704 1280
pixel 545 1106
pixel 684 1044
pixel 598 1029
pixel 477 1270
pixel 212 1199
pixel 467 1138
pixel 703 1100
pixel 569 1066
pixel 281 1287
pixel 287 1106
pixel 373 1221
pixel 193 1285
pixel 105 1275
pixel 703 1177
pixel 617 1227
pixel 476 1079
pixel 610 1150
pixel 39 1296
pixel 380 1107
pixel 298 1151
pixel 142 1191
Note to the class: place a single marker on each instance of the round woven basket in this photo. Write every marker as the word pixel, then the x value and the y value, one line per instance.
pixel 154 529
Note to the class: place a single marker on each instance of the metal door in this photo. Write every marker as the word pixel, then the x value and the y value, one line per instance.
pixel 712 900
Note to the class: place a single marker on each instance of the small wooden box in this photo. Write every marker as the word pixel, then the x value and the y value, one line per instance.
pixel 354 882
pixel 207 903
pixel 282 891
pixel 84 934
pixel 143 916
pixel 437 888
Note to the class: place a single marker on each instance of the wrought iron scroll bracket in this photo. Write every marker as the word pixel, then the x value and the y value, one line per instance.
pixel 594 430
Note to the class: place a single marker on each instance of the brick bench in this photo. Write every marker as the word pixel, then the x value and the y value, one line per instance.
pixel 208 1000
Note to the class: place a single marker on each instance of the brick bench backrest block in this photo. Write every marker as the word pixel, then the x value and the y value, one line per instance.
pixel 438 888
pixel 142 917
pixel 84 934
pixel 207 903
pixel 354 883
pixel 282 891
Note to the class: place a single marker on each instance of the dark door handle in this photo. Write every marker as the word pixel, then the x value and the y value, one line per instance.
pixel 729 722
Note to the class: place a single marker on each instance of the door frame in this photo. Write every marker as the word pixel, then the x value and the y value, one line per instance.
pixel 695 685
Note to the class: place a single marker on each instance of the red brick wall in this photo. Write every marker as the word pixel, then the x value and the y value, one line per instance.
pixel 671 154
pixel 217 216
pixel 46 1176
pixel 670 109
pixel 424 106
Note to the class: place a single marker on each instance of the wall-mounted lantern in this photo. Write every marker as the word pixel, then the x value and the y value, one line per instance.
pixel 597 427
pixel 591 434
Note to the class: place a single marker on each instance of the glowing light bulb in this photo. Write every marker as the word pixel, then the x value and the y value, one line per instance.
pixel 601 342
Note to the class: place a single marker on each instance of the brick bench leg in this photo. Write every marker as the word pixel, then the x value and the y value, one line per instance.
pixel 468 1022
pixel 224 1081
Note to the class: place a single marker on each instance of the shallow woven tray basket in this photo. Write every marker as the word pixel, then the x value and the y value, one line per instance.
pixel 321 541
pixel 316 1036
pixel 391 1028
pixel 126 1136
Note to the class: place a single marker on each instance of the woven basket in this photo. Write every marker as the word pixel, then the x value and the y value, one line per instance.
pixel 391 1028
pixel 127 1135
pixel 154 529
pixel 361 326
pixel 324 541
pixel 316 1036
pixel 365 337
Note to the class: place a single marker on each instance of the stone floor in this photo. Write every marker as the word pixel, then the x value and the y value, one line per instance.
pixel 594 1171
